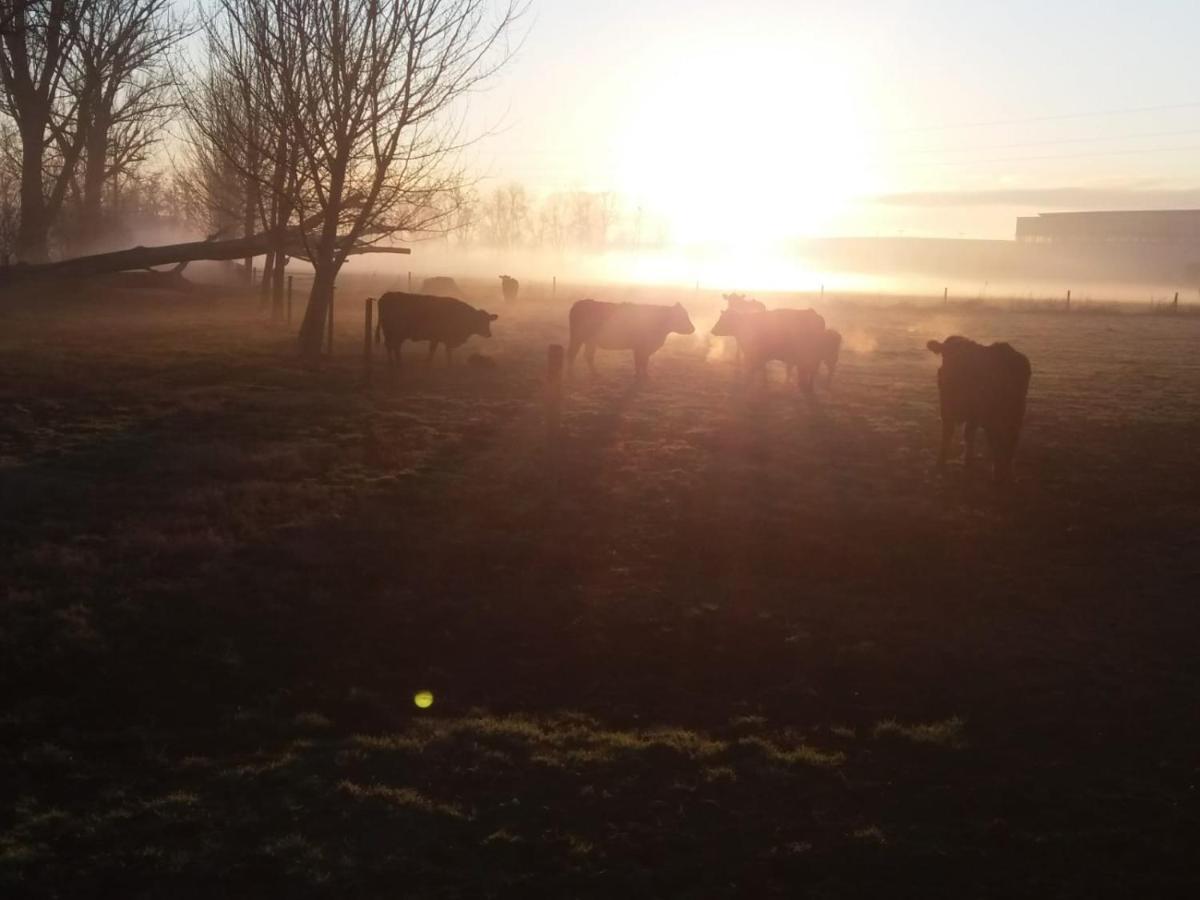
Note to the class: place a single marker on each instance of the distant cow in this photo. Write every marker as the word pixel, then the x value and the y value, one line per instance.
pixel 420 317
pixel 441 286
pixel 982 386
pixel 509 288
pixel 639 327
pixel 738 303
pixel 793 336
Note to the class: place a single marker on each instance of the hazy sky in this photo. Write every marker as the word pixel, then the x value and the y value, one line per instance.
pixel 775 118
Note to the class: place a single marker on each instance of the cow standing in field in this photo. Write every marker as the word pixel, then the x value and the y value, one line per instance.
pixel 982 387
pixel 793 336
pixel 738 303
pixel 639 327
pixel 439 320
pixel 441 286
pixel 830 353
pixel 509 288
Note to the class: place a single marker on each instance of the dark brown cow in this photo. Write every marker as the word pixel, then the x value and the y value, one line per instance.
pixel 794 336
pixel 439 320
pixel 509 288
pixel 982 387
pixel 441 286
pixel 639 327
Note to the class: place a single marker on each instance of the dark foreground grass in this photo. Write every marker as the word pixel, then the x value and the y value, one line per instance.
pixel 710 643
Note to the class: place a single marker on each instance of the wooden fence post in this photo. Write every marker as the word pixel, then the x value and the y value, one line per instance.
pixel 367 339
pixel 945 295
pixel 1068 301
pixel 554 388
pixel 329 320
pixel 554 287
pixel 289 301
pixel 1175 304
pixel 410 282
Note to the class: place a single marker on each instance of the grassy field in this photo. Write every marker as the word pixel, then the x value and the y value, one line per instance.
pixel 711 642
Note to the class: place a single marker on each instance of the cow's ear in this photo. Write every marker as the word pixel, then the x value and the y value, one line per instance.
pixel 492 317
pixel 935 347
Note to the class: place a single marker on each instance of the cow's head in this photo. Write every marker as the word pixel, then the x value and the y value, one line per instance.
pixel 483 322
pixel 728 324
pixel 952 348
pixel 678 320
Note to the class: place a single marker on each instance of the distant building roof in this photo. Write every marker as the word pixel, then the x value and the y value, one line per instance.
pixel 1159 226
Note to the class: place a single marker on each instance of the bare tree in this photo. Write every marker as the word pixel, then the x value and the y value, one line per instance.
pixel 36 42
pixel 365 104
pixel 119 73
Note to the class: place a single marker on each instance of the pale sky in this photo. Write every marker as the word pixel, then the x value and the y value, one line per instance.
pixel 781 118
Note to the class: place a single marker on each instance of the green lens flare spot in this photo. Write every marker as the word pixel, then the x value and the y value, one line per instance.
pixel 423 699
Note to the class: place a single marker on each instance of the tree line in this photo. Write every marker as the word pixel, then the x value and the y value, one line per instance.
pixel 323 127
pixel 509 217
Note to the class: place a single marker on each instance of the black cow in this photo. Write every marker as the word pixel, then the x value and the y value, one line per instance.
pixel 509 288
pixel 420 317
pixel 982 386
pixel 639 327
pixel 441 286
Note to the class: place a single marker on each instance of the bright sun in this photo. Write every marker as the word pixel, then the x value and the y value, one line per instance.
pixel 744 146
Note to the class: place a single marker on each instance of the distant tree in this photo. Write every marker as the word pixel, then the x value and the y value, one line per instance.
pixel 364 106
pixel 119 74
pixel 506 216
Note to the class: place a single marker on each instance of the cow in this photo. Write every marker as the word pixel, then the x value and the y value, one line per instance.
pixel 441 286
pixel 509 288
pixel 420 317
pixel 982 387
pixel 640 327
pixel 738 303
pixel 831 351
pixel 794 336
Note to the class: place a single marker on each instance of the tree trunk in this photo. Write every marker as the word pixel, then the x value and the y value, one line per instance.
pixel 277 279
pixel 91 215
pixel 33 231
pixel 264 285
pixel 316 315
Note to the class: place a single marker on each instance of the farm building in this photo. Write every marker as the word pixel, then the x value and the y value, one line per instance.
pixel 1164 227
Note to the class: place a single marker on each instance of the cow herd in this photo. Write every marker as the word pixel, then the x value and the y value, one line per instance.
pixel 979 386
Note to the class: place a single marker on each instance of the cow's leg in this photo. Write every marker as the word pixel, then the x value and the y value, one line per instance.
pixel 394 353
pixel 969 442
pixel 433 345
pixel 641 363
pixel 572 351
pixel 1003 445
pixel 589 356
pixel 948 426
pixel 449 356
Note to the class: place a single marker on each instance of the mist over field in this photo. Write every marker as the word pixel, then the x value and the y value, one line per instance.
pixel 518 449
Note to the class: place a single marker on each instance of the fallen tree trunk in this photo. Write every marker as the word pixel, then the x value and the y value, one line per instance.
pixel 168 254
